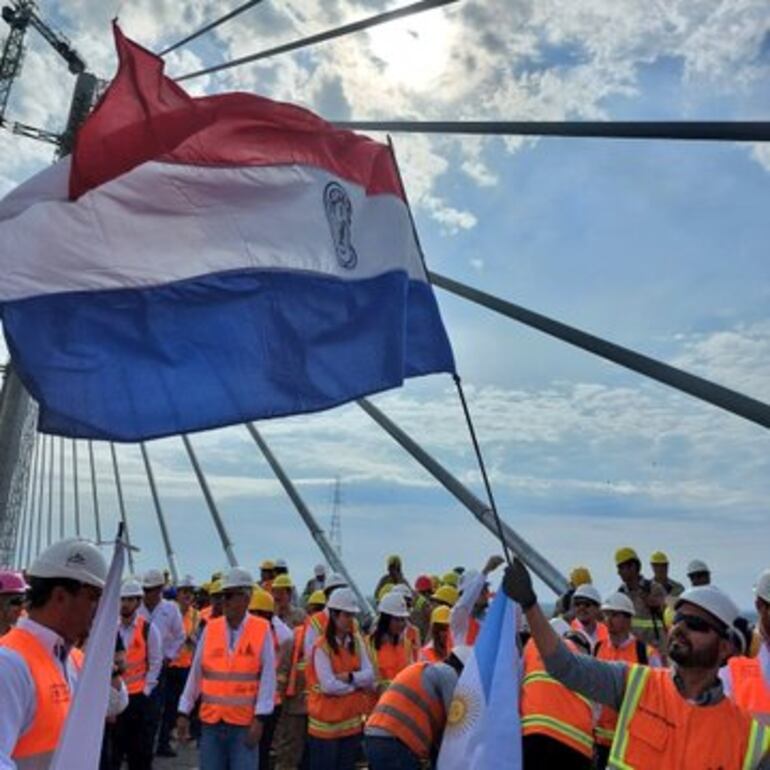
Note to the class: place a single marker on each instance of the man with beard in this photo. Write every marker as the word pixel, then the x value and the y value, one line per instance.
pixel 668 719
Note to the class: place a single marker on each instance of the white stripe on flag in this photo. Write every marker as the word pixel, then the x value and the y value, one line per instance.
pixel 80 745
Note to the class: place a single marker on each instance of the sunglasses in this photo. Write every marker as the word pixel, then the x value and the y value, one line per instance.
pixel 17 601
pixel 698 624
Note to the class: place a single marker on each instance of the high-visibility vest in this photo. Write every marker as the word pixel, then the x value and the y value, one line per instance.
pixel 296 682
pixel 549 708
pixel 389 660
pixel 749 688
pixel 409 713
pixel 34 749
pixel 428 654
pixel 190 621
pixel 335 716
pixel 637 652
pixel 135 675
pixel 601 634
pixel 658 728
pixel 204 615
pixel 230 680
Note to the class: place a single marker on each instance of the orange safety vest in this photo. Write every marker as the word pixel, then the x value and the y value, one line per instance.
pixel 205 613
pixel 190 621
pixel 750 691
pixel 230 680
pixel 135 675
pixel 602 632
pixel 34 749
pixel 335 716
pixel 296 681
pixel 638 652
pixel 549 708
pixel 658 728
pixel 408 713
pixel 429 655
pixel 389 660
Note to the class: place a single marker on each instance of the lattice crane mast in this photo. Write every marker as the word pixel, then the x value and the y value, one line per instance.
pixel 20 15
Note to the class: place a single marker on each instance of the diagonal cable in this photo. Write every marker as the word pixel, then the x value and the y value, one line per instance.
pixel 346 29
pixel 208 27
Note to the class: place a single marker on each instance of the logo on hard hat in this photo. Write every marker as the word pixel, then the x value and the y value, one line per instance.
pixel 76 559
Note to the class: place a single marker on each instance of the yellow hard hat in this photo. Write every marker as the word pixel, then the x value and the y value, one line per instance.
pixel 317 597
pixel 580 576
pixel 623 555
pixel 206 587
pixel 267 564
pixel 283 581
pixel 385 590
pixel 659 558
pixel 440 616
pixel 261 601
pixel 394 560
pixel 450 579
pixel 447 594
pixel 215 587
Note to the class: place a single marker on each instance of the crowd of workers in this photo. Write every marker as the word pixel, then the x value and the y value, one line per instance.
pixel 654 676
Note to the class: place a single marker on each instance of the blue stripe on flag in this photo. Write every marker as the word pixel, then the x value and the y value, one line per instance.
pixel 219 349
pixel 488 642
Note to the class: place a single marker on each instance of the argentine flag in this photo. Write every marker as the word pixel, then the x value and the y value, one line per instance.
pixel 201 262
pixel 483 728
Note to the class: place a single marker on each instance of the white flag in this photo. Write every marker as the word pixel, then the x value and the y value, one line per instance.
pixel 81 741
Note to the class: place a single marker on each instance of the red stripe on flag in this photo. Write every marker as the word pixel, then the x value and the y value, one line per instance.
pixel 145 116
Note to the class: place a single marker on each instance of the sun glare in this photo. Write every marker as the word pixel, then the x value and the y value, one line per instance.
pixel 415 51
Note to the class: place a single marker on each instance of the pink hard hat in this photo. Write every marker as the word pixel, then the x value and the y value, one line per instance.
pixel 12 582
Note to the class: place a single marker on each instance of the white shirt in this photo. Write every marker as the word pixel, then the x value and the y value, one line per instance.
pixel 154 650
pixel 283 632
pixel 167 618
pixel 17 688
pixel 459 619
pixel 363 679
pixel 118 700
pixel 267 684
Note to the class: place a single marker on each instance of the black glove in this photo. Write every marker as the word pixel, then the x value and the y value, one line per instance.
pixel 517 585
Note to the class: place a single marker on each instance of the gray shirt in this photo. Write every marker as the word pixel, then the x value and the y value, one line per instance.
pixel 439 681
pixel 605 681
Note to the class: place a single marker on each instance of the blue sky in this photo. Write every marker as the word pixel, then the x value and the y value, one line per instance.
pixel 658 246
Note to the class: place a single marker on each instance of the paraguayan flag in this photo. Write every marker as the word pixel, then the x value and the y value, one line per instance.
pixel 483 727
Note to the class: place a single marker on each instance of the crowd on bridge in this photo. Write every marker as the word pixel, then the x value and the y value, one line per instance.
pixel 265 672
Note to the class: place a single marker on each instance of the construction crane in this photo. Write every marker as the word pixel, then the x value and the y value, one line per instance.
pixel 20 15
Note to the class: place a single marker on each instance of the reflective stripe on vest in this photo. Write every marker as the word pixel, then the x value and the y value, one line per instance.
pixel 556 725
pixel 407 712
pixel 230 680
pixel 738 739
pixel 34 749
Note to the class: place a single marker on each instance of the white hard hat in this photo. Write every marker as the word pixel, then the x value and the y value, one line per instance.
pixel 400 589
pixel 588 591
pixel 560 626
pixel 72 558
pixel 466 578
pixel 336 581
pixel 237 577
pixel 153 578
pixel 131 589
pixel 188 581
pixel 762 588
pixel 696 565
pixel 712 599
pixel 343 599
pixel 281 563
pixel 462 652
pixel 319 570
pixel 392 604
pixel 619 602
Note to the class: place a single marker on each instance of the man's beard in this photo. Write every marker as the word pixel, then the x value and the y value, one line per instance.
pixel 682 653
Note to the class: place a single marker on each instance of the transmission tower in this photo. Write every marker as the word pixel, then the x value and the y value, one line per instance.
pixel 335 530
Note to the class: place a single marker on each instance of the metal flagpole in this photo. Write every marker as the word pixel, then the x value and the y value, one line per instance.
pixel 49 532
pixel 724 398
pixel 330 554
pixel 212 506
pixel 39 535
pixel 75 486
pixel 61 487
pixel 122 506
pixel 29 505
pixel 170 555
pixel 535 561
pixel 38 449
pixel 94 493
